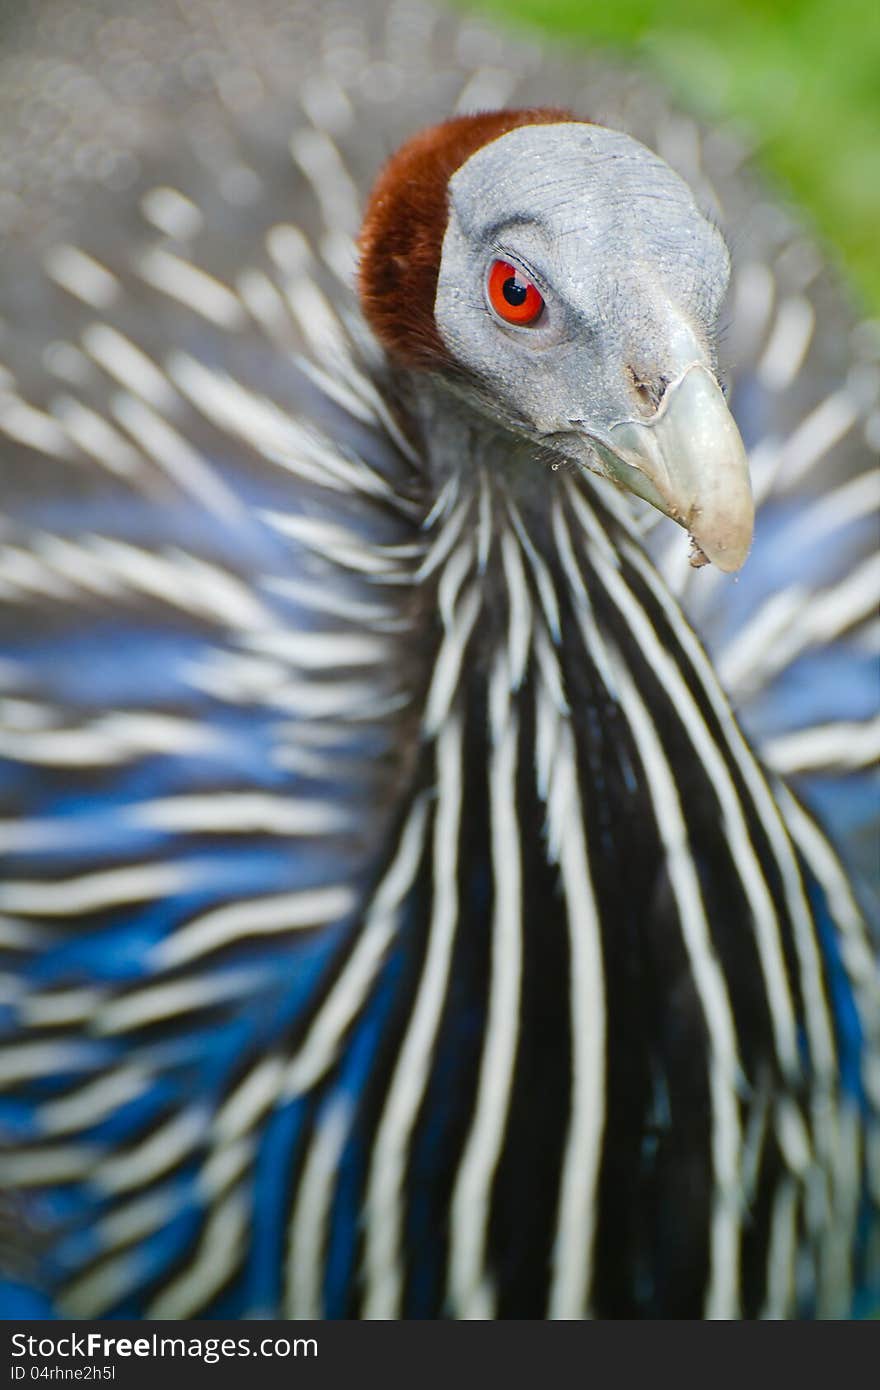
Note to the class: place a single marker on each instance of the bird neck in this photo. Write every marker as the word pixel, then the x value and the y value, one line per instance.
pixel 508 566
pixel 462 437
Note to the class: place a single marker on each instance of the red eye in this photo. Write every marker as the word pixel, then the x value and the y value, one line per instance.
pixel 512 296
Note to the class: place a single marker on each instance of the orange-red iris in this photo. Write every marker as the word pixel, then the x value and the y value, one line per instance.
pixel 512 296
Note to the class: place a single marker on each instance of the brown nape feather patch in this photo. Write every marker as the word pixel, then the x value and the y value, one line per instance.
pixel 402 235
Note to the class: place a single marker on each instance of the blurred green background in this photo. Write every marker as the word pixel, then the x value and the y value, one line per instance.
pixel 801 78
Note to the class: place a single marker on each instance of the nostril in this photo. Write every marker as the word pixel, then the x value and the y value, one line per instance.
pixel 650 392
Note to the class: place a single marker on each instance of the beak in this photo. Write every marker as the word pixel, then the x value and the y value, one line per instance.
pixel 690 462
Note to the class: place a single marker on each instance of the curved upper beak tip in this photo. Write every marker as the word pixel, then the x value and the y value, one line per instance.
pixel 725 544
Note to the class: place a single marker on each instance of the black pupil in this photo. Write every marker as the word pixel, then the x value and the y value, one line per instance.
pixel 514 291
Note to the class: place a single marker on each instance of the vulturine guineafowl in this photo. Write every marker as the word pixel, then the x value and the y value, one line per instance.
pixel 399 921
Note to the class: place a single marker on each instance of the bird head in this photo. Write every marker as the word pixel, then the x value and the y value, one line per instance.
pixel 561 277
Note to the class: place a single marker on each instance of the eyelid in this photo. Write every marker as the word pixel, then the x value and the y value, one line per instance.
pixel 501 253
